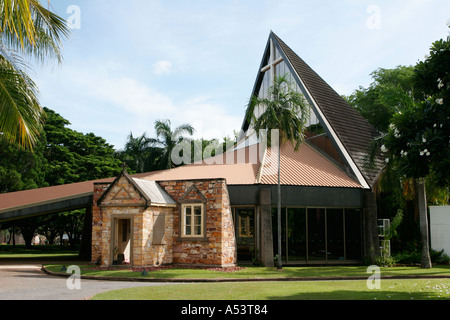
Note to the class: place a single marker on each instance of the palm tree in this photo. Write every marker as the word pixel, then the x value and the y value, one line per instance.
pixel 137 151
pixel 169 139
pixel 285 110
pixel 26 29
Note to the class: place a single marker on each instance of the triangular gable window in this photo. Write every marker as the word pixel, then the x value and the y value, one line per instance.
pixel 345 132
pixel 275 65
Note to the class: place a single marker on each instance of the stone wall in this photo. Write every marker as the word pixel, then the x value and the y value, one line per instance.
pixel 145 251
pixel 123 201
pixel 97 222
pixel 151 247
pixel 218 247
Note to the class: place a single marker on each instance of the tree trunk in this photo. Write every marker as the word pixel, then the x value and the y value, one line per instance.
pixel 423 216
pixel 28 233
pixel 279 265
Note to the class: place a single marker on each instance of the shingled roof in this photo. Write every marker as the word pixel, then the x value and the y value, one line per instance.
pixel 350 132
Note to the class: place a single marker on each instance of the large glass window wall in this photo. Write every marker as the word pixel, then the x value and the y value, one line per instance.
pixel 319 234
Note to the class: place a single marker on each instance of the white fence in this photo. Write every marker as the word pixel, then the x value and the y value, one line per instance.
pixel 440 228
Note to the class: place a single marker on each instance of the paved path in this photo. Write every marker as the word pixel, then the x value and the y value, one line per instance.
pixel 24 280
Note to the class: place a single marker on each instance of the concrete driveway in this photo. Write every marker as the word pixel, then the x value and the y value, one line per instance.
pixel 24 280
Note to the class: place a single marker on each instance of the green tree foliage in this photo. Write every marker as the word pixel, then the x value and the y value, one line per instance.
pixel 168 138
pixel 418 139
pixel 73 156
pixel 284 109
pixel 373 103
pixel 61 156
pixel 21 169
pixel 140 154
pixel 417 143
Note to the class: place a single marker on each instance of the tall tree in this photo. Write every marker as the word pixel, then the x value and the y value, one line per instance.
pixel 168 139
pixel 418 140
pixel 371 102
pixel 21 169
pixel 27 29
pixel 285 110
pixel 73 156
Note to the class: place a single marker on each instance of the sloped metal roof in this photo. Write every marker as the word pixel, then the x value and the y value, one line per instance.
pixel 304 167
pixel 154 192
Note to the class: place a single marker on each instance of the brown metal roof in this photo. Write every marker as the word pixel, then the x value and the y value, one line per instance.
pixel 305 167
pixel 34 197
pixel 237 167
pixel 23 199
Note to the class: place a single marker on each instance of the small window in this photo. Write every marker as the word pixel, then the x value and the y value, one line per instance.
pixel 246 224
pixel 192 220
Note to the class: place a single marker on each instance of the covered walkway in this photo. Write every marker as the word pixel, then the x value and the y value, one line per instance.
pixel 35 202
pixel 29 203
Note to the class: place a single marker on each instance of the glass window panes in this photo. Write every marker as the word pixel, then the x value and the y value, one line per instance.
pixel 193 220
pixel 246 223
pixel 335 234
pixel 353 234
pixel 296 237
pixel 275 232
pixel 318 234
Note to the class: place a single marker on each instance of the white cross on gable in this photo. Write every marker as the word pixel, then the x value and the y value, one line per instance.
pixel 272 62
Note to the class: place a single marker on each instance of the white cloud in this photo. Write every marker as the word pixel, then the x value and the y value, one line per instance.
pixel 162 67
pixel 209 118
pixel 119 104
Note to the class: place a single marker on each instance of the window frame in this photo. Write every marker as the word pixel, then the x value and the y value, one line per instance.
pixel 183 215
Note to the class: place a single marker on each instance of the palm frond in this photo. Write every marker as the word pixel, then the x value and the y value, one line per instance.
pixel 20 112
pixel 285 109
pixel 27 27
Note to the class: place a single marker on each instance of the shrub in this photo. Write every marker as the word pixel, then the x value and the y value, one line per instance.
pixel 408 257
pixel 439 257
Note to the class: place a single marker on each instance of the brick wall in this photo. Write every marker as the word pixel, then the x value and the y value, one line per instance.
pixel 97 221
pixel 218 248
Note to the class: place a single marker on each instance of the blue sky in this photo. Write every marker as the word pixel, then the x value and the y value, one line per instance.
pixel 130 63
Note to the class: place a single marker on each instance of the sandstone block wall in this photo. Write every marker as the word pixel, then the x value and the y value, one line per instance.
pixel 218 247
pixel 165 245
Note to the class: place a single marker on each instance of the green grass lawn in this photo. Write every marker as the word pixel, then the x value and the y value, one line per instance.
pixel 391 289
pixel 257 272
pixel 411 289
pixel 19 251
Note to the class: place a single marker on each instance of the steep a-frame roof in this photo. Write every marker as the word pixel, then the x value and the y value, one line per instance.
pixel 350 132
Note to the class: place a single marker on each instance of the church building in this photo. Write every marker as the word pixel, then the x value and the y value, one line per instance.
pixel 221 211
